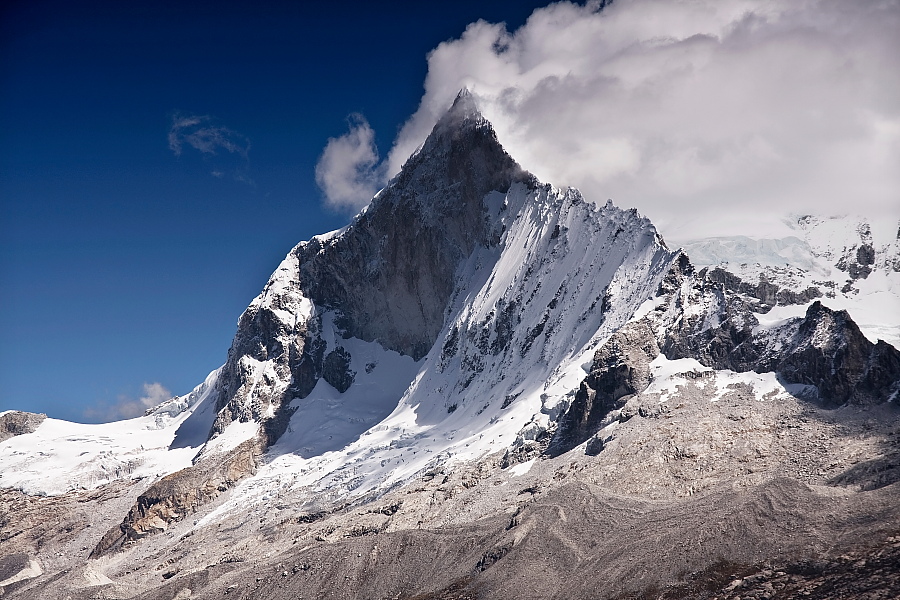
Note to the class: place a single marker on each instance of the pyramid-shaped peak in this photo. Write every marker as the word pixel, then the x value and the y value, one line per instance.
pixel 462 127
pixel 464 105
pixel 462 114
pixel 465 134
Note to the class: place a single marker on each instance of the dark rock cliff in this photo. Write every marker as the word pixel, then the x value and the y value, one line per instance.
pixel 829 351
pixel 16 422
pixel 391 273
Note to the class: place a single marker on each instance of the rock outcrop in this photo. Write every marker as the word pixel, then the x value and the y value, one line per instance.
pixel 767 293
pixel 711 316
pixel 336 369
pixel 859 259
pixel 16 422
pixel 180 494
pixel 620 369
pixel 276 355
pixel 829 352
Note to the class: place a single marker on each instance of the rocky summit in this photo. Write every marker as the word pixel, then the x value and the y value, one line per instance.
pixel 488 387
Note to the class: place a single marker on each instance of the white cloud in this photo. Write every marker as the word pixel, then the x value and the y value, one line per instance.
pixel 154 394
pixel 709 116
pixel 127 407
pixel 227 150
pixel 348 170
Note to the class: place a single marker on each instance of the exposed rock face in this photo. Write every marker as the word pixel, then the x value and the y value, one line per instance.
pixel 276 355
pixel 704 320
pixel 859 259
pixel 178 495
pixel 621 368
pixel 710 316
pixel 768 294
pixel 18 423
pixel 829 352
pixel 391 273
pixel 336 369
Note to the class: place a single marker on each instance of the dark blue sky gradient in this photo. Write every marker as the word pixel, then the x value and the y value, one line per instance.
pixel 121 263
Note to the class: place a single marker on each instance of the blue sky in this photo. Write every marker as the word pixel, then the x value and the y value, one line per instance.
pixel 122 263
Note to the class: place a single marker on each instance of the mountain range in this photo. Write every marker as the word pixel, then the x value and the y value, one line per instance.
pixel 488 387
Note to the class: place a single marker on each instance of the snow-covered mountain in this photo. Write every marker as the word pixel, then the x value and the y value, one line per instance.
pixel 473 324
pixel 852 263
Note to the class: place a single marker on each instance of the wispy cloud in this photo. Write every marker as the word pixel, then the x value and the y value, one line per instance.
pixel 226 150
pixel 706 115
pixel 127 407
pixel 348 172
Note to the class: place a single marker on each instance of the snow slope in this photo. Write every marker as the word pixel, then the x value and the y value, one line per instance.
pixel 60 456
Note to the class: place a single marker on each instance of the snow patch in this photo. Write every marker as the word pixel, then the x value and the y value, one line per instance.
pixel 234 435
pixel 666 375
pixel 521 468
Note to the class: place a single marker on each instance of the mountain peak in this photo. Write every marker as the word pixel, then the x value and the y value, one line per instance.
pixel 462 147
pixel 433 215
pixel 464 106
pixel 462 119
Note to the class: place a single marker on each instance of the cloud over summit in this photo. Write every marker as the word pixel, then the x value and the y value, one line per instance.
pixel 703 114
